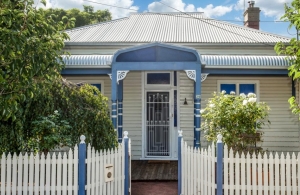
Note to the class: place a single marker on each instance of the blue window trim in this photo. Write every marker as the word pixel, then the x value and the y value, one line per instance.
pixel 237 83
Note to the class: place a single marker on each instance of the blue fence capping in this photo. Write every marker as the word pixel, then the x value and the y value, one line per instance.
pixel 81 166
pixel 179 161
pixel 220 146
pixel 126 170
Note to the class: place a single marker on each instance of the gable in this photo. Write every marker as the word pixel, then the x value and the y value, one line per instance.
pixel 156 54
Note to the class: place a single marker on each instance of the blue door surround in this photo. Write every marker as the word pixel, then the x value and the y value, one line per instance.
pixel 154 57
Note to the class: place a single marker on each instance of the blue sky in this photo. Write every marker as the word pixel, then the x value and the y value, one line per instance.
pixel 228 10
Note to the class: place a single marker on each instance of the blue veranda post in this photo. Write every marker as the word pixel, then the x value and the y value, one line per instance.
pixel 179 161
pixel 81 166
pixel 220 152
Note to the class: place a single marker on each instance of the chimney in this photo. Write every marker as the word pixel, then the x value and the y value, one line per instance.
pixel 251 16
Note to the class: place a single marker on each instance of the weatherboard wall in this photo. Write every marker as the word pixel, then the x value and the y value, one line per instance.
pixel 283 132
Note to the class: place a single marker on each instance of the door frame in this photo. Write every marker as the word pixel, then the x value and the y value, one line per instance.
pixel 173 130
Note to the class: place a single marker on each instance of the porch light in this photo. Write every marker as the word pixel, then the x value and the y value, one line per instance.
pixel 185 102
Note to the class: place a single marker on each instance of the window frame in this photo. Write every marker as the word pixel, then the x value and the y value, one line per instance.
pixel 87 81
pixel 159 85
pixel 237 83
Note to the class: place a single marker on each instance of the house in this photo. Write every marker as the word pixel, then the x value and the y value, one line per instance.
pixel 159 68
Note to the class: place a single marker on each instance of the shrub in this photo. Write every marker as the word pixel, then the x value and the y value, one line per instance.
pixel 236 118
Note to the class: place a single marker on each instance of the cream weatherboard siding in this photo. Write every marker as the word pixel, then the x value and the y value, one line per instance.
pixel 283 132
pixel 186 90
pixel 132 111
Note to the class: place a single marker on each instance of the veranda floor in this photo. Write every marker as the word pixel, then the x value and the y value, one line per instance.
pixel 149 170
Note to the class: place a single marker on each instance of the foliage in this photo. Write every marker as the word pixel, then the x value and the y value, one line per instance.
pixel 30 51
pixel 292 50
pixel 82 107
pixel 236 118
pixel 49 132
pixel 85 17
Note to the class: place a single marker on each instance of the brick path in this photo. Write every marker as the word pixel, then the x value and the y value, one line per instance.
pixel 154 188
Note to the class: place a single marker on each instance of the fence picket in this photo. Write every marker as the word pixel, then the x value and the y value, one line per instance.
pixel 259 174
pixel 59 176
pixel 14 174
pixel 89 165
pixel 288 174
pixel 19 174
pixel 266 174
pixel 294 174
pixel 243 174
pixel 231 172
pixel 282 176
pixel 98 172
pixel 277 174
pixel 237 174
pixel 271 173
pixel 101 169
pixel 226 184
pixel 3 171
pixel 53 173
pixel 25 175
pixel 75 162
pixel 31 174
pixel 209 172
pixel 248 173
pixel 64 174
pixel 201 170
pixel 47 176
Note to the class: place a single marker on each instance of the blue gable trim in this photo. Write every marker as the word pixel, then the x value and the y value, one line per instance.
pixel 157 52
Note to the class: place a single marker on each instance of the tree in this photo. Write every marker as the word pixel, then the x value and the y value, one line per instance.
pixel 56 116
pixel 30 51
pixel 236 118
pixel 292 50
pixel 85 17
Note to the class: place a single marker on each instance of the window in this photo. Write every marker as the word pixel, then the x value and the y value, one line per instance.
pixel 158 78
pixel 98 85
pixel 239 86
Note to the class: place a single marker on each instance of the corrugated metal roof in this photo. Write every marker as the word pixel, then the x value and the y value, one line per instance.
pixel 209 60
pixel 170 28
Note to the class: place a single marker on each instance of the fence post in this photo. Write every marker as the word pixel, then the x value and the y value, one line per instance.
pixel 219 165
pixel 126 169
pixel 179 161
pixel 81 166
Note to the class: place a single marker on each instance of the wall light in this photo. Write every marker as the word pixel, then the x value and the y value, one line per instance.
pixel 185 102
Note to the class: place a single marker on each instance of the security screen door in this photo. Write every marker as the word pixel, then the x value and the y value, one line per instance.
pixel 158 124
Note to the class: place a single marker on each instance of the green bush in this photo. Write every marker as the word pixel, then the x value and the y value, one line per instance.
pixel 82 109
pixel 236 118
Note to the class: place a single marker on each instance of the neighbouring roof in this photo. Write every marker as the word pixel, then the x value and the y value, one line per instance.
pixel 209 61
pixel 170 28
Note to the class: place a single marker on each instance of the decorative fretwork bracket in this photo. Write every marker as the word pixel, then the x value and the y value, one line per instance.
pixel 191 74
pixel 203 77
pixel 121 75
pixel 109 76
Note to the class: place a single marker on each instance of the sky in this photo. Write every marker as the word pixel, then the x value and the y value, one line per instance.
pixel 227 10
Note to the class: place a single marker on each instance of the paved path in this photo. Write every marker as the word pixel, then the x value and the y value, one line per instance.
pixel 154 188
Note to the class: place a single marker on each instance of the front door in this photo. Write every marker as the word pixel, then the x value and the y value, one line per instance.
pixel 158 124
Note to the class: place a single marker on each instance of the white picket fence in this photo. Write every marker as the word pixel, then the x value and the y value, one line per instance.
pixel 261 175
pixel 198 170
pixel 258 175
pixel 57 174
pixel 105 171
pixel 30 174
